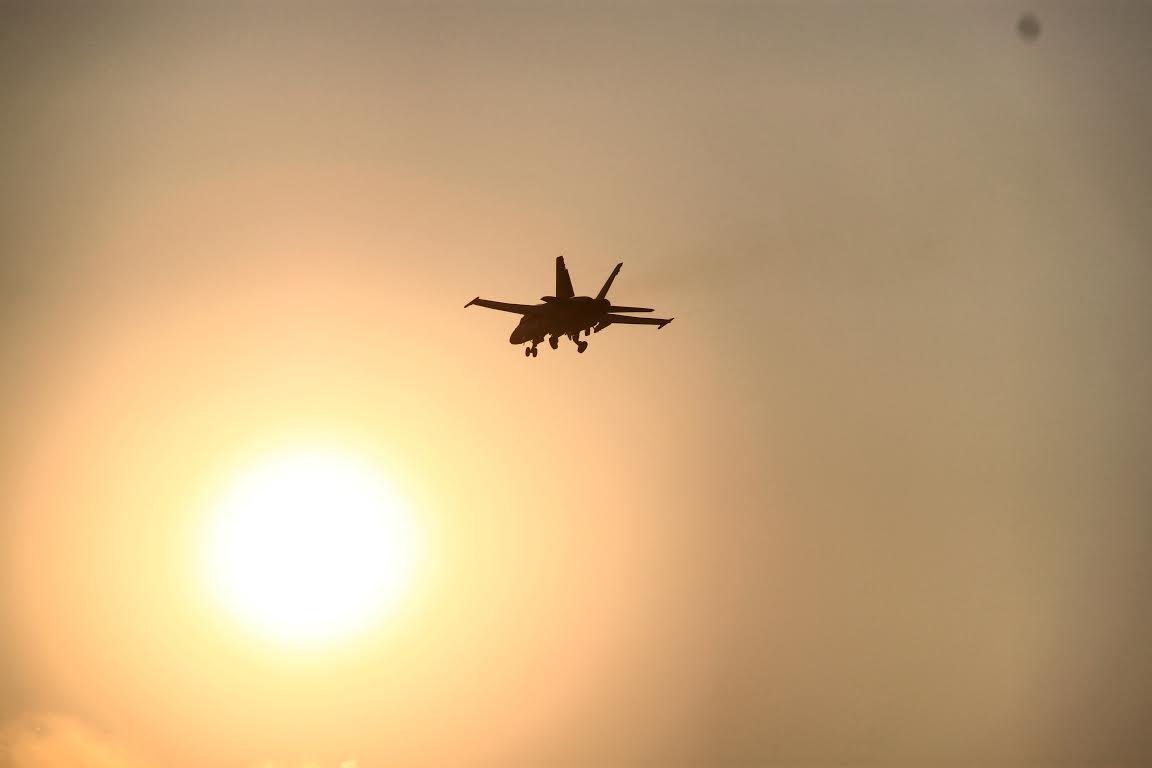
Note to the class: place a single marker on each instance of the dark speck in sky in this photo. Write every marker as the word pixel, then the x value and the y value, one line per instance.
pixel 1028 27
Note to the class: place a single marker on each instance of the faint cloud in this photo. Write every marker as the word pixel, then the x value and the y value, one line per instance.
pixel 54 741
pixel 46 740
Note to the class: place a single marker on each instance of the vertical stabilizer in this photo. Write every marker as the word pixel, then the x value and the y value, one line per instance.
pixel 563 281
pixel 608 282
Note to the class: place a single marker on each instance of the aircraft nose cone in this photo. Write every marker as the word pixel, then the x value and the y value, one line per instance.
pixel 519 335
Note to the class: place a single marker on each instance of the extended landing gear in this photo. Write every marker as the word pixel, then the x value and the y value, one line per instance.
pixel 581 346
pixel 531 351
pixel 553 341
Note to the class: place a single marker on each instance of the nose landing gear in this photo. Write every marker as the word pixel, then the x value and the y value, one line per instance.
pixel 531 351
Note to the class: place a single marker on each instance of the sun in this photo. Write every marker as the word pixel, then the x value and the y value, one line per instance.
pixel 309 547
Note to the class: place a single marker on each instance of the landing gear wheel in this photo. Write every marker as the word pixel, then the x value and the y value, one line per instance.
pixel 535 351
pixel 581 346
pixel 527 351
pixel 553 342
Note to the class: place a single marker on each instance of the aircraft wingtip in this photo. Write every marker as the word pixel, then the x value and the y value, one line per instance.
pixel 471 302
pixel 665 323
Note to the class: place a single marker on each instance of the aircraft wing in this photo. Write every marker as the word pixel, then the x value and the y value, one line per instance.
pixel 610 319
pixel 520 309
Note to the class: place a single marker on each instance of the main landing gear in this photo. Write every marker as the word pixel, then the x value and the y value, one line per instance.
pixel 580 345
pixel 554 342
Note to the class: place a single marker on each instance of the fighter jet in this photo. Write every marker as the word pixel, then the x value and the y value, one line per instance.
pixel 567 314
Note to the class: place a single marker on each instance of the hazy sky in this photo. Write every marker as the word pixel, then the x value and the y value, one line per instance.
pixel 879 496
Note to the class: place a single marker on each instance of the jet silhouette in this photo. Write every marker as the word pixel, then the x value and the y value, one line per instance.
pixel 567 314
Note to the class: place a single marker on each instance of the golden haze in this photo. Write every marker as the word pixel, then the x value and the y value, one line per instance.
pixel 877 497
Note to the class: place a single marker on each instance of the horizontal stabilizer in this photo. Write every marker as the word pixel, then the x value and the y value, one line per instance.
pixel 630 309
pixel 659 322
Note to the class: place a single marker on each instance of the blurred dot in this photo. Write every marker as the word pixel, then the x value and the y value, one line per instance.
pixel 1028 27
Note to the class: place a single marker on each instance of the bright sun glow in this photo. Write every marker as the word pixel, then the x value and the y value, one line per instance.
pixel 307 548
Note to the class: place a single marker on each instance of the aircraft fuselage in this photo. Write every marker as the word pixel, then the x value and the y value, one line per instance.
pixel 560 317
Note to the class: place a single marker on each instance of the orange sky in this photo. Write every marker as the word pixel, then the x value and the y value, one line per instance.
pixel 878 496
